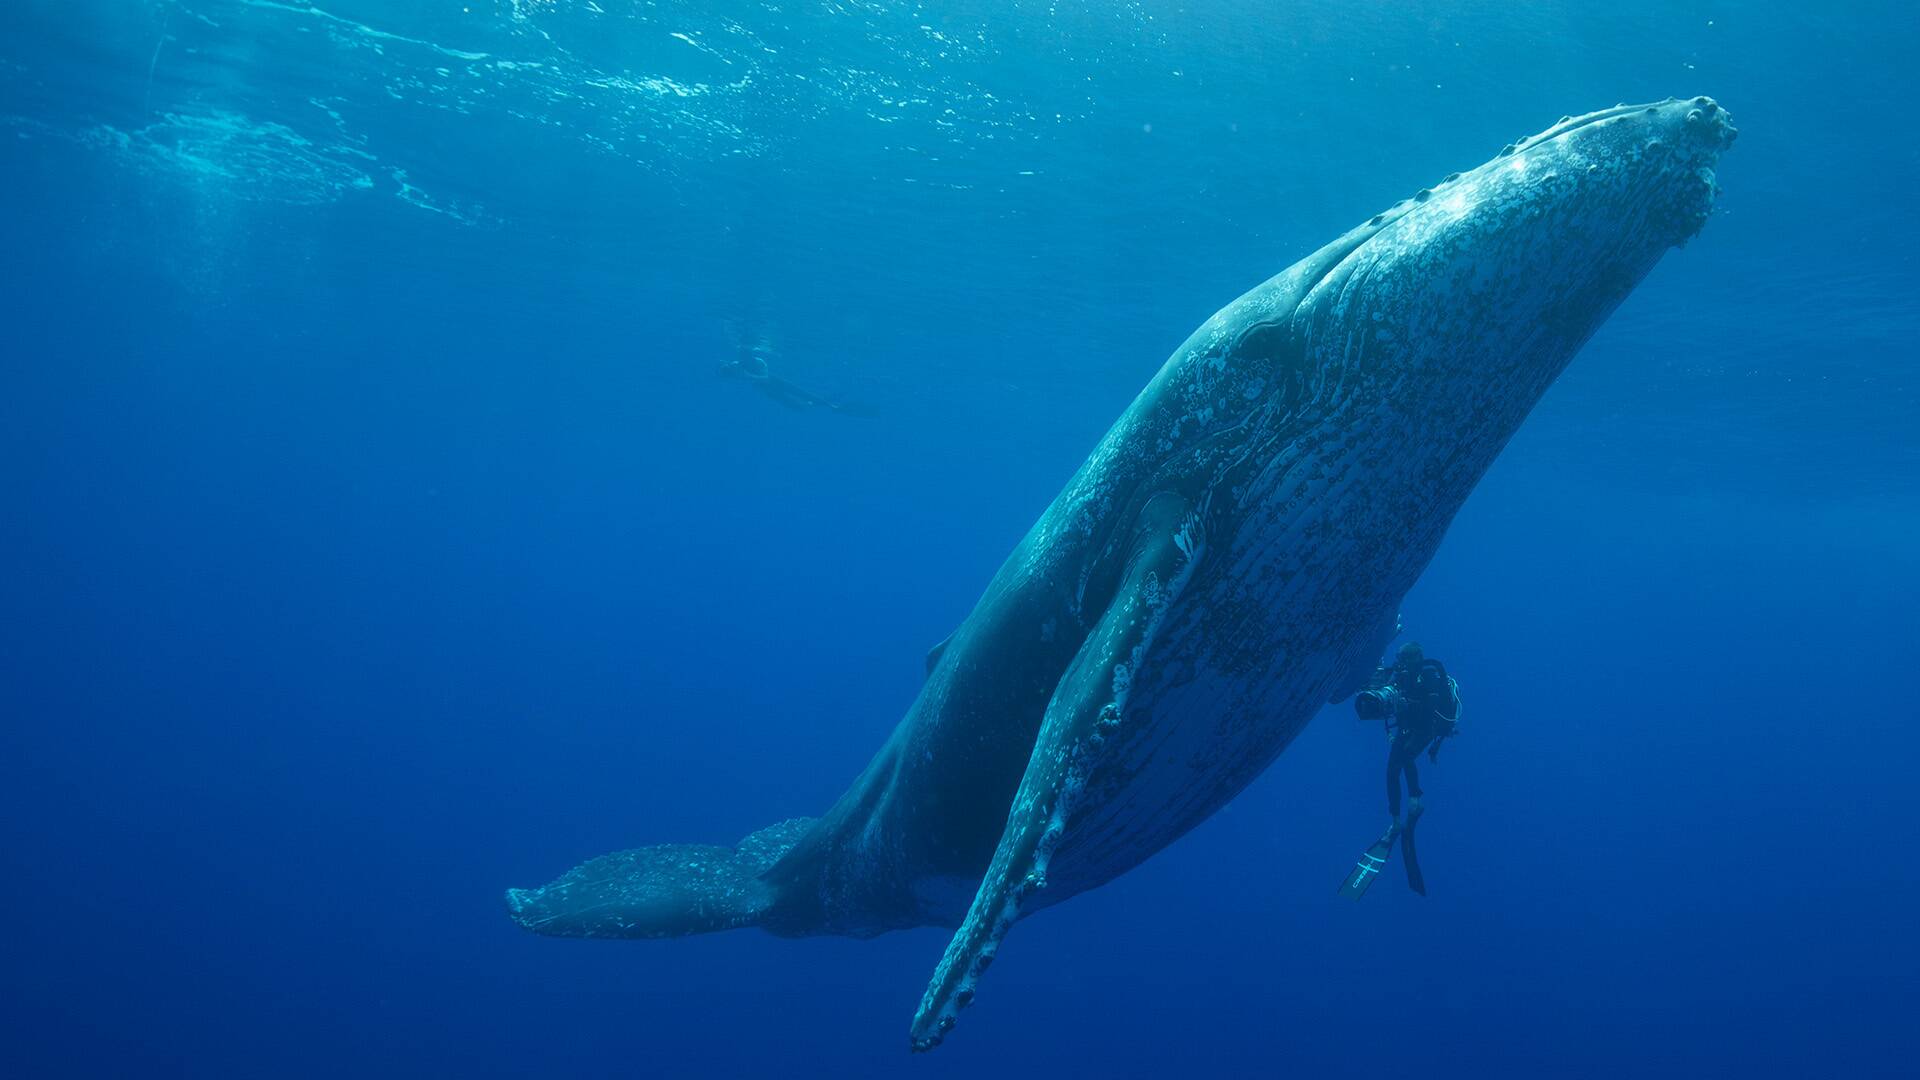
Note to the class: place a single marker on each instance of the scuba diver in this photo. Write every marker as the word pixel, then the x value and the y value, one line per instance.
pixel 1420 704
pixel 752 366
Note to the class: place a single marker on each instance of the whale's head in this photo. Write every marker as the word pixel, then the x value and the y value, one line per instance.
pixel 1558 226
pixel 1643 172
pixel 1389 368
pixel 1440 323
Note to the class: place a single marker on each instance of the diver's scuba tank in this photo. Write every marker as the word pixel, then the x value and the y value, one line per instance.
pixel 1441 694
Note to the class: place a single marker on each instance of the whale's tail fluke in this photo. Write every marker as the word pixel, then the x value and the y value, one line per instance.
pixel 664 891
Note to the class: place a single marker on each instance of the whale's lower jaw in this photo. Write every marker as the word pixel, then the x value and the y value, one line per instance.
pixel 1710 133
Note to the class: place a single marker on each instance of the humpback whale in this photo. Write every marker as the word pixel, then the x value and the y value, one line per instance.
pixel 1230 558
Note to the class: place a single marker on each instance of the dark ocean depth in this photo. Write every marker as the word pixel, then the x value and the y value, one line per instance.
pixel 380 532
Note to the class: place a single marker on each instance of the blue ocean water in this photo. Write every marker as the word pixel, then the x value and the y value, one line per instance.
pixel 380 534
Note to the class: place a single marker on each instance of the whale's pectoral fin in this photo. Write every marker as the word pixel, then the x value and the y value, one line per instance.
pixel 1085 710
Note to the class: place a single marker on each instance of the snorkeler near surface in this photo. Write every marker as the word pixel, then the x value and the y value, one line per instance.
pixel 751 365
pixel 1420 704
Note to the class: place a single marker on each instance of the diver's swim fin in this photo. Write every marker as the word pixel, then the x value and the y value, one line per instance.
pixel 1372 861
pixel 1415 879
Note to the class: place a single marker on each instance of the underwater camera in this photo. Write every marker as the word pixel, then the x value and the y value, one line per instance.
pixel 1377 703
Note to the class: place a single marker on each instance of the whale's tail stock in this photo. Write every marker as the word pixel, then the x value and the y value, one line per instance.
pixel 665 891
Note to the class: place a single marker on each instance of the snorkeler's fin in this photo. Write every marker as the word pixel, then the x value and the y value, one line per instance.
pixel 1415 879
pixel 1372 861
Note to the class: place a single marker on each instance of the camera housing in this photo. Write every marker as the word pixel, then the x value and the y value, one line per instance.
pixel 1377 703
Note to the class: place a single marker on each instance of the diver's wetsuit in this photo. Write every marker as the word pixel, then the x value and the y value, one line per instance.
pixel 1414 735
pixel 1416 724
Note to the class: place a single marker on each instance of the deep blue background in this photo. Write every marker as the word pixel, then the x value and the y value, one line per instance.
pixel 377 534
